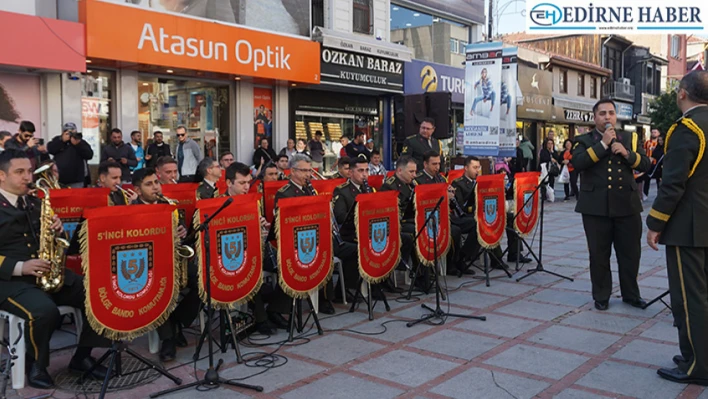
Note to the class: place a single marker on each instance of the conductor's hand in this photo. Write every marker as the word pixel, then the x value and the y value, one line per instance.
pixel 609 135
pixel 618 149
pixel 653 239
pixel 56 225
pixel 181 232
pixel 35 267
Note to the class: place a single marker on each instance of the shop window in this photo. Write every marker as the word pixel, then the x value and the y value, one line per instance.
pixel 318 13
pixel 593 87
pixel 202 107
pixel 363 21
pixel 563 81
pixel 581 85
pixel 96 105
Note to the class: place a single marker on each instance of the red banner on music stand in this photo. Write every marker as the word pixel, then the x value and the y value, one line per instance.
pixel 426 197
pixel 69 204
pixel 491 210
pixel 378 233
pixel 304 236
pixel 454 174
pixel 186 195
pixel 526 202
pixel 269 190
pixel 235 247
pixel 326 187
pixel 131 268
pixel 376 181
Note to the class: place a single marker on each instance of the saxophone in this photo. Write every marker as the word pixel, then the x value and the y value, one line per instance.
pixel 52 248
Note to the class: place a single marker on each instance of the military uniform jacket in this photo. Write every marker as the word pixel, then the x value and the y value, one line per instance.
pixel 117 198
pixel 425 178
pixel 416 146
pixel 405 197
pixel 289 190
pixel 205 190
pixel 606 180
pixel 336 176
pixel 464 194
pixel 344 198
pixel 681 206
pixel 19 242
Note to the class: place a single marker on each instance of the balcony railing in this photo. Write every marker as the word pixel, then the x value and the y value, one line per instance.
pixel 618 90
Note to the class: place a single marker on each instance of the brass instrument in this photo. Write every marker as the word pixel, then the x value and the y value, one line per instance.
pixel 44 172
pixel 183 251
pixel 51 247
pixel 318 175
pixel 128 193
pixel 174 181
pixel 365 188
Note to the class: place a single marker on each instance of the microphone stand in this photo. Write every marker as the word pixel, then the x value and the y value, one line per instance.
pixel 211 378
pixel 437 313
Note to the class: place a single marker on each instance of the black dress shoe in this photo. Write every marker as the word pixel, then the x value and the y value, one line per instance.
pixel 264 328
pixel 39 378
pixel 637 303
pixel 678 359
pixel 467 272
pixel 168 352
pixel 278 320
pixel 522 259
pixel 85 364
pixel 679 376
pixel 326 307
pixel 180 339
pixel 602 305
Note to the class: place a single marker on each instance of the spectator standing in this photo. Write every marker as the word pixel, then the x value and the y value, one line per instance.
pixel 547 157
pixel 118 151
pixel 657 170
pixel 571 188
pixel 226 159
pixel 289 149
pixel 339 148
pixel 301 148
pixel 376 167
pixel 357 147
pixel 650 147
pixel 25 141
pixel 136 142
pixel 70 153
pixel 370 145
pixel 527 150
pixel 188 156
pixel 4 136
pixel 156 150
pixel 316 149
pixel 263 154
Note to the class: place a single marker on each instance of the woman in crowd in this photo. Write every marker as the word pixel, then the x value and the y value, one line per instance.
pixel 548 157
pixel 571 188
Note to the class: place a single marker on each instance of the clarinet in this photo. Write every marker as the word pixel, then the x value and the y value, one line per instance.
pixel 453 201
pixel 335 225
pixel 365 187
pixel 266 244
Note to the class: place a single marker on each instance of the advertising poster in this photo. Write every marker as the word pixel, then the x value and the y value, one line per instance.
pixel 482 97
pixel 507 103
pixel 93 112
pixel 262 114
pixel 19 101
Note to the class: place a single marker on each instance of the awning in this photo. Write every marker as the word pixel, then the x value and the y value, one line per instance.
pixel 42 43
pixel 377 48
pixel 573 103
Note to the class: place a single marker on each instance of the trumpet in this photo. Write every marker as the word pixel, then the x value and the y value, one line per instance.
pixel 168 200
pixel 318 175
pixel 128 193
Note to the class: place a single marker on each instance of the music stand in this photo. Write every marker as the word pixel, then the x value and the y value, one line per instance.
pixel 437 313
pixel 539 265
pixel 211 377
pixel 659 298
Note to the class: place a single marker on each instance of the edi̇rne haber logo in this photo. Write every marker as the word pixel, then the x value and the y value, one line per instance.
pixel 613 17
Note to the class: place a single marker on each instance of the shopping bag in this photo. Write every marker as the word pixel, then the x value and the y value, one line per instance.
pixel 564 177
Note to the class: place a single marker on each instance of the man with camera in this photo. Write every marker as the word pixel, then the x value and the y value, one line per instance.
pixel 25 141
pixel 70 153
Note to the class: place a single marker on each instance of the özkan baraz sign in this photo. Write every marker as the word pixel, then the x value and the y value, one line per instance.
pixel 344 68
pixel 616 17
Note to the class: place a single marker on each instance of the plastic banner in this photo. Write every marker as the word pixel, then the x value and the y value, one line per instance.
pixel 69 205
pixel 326 187
pixel 491 210
pixel 269 190
pixel 186 196
pixel 483 70
pixel 378 234
pixel 507 103
pixel 438 228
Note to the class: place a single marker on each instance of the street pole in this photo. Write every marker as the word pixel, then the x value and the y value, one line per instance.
pixel 490 25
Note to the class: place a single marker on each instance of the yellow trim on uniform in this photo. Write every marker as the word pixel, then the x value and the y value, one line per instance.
pixel 659 215
pixel 30 320
pixel 2 259
pixel 634 141
pixel 592 154
pixel 685 310
pixel 637 161
pixel 691 125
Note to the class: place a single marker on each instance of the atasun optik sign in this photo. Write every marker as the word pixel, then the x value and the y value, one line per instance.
pixel 612 17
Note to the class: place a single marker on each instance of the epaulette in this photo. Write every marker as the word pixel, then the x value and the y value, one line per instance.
pixel 346 183
pixel 459 179
pixel 391 180
pixel 284 188
pixel 411 137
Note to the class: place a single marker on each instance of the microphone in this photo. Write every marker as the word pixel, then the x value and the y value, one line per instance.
pixel 608 125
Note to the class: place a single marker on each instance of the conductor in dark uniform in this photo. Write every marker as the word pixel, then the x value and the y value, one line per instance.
pixel 416 146
pixel 209 168
pixel 677 219
pixel 19 269
pixel 610 203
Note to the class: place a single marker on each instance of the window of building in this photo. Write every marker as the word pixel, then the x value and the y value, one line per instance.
pixel 363 21
pixel 454 46
pixel 463 47
pixel 613 61
pixel 593 87
pixel 318 13
pixel 563 81
pixel 581 85
pixel 675 46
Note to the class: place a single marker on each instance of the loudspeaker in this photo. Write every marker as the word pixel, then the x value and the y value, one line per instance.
pixel 399 118
pixel 438 106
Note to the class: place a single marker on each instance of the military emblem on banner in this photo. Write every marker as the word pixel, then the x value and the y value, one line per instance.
pixel 70 226
pixel 236 250
pixel 131 268
pixel 304 236
pixel 526 197
pixel 378 230
pixel 491 210
pixel 437 229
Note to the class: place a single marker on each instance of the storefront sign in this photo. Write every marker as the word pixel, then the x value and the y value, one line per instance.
pixel 156 38
pixel 624 111
pixel 643 119
pixel 577 116
pixel 483 74
pixel 42 43
pixel 344 68
pixel 422 77
pixel 347 42
pixel 537 89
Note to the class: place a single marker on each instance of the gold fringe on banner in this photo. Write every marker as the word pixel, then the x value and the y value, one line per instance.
pixel 100 328
pixel 422 260
pixel 482 243
pixel 362 273
pixel 288 291
pixel 180 263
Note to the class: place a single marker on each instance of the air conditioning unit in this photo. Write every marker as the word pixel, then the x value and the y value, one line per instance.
pixel 625 81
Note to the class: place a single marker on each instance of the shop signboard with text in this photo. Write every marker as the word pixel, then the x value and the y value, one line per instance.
pixel 537 89
pixel 175 41
pixel 427 77
pixel 344 68
pixel 625 112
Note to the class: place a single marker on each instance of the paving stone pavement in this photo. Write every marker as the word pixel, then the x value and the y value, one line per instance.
pixel 542 338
